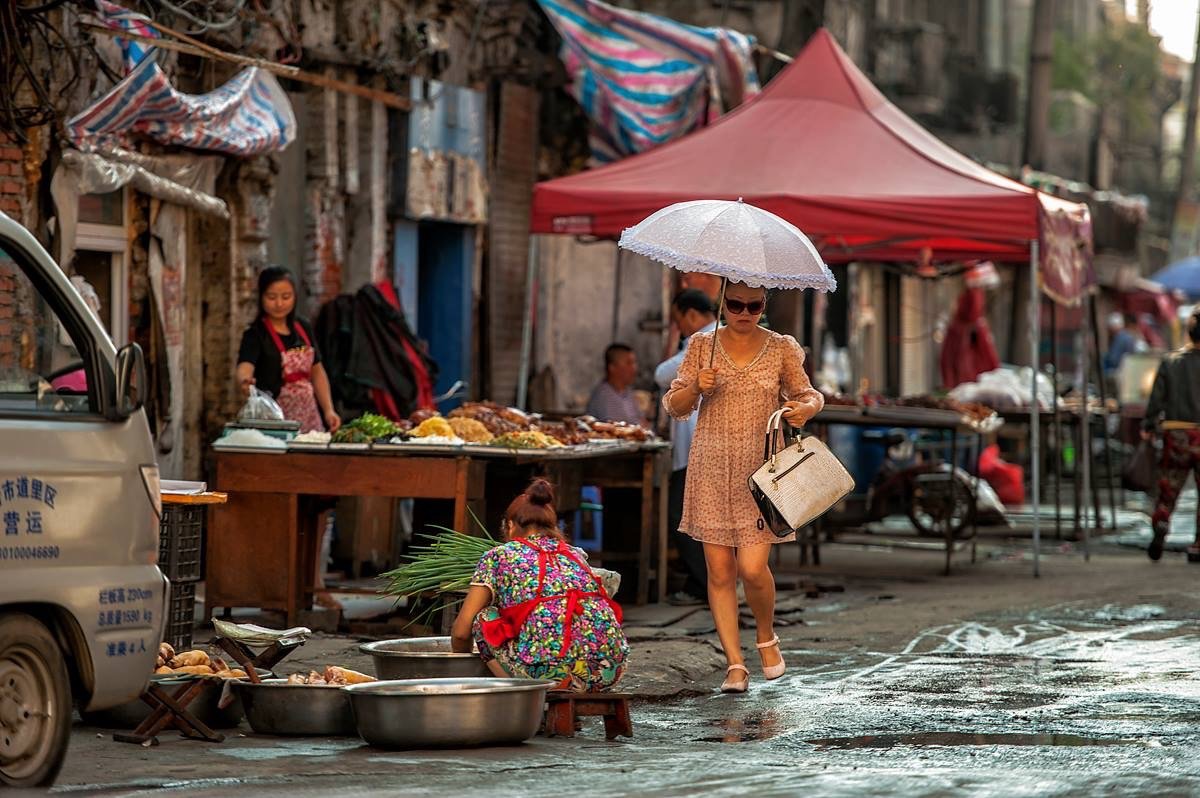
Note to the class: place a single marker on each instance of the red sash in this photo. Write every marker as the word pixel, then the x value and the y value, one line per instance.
pixel 506 627
pixel 290 375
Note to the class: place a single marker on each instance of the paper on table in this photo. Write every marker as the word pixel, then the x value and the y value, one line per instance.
pixel 253 635
pixel 181 487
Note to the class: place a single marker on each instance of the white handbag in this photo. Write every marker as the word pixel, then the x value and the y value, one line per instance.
pixel 798 483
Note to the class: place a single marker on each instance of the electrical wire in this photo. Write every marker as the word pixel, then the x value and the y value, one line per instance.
pixel 234 17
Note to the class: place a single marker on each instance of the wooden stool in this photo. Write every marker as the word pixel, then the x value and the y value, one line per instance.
pixel 171 710
pixel 266 659
pixel 564 708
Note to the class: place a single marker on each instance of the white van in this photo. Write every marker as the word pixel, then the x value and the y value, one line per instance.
pixel 82 601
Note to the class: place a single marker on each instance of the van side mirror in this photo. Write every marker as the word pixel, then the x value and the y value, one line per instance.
pixel 131 380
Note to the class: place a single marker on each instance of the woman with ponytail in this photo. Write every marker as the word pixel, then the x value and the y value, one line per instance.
pixel 535 609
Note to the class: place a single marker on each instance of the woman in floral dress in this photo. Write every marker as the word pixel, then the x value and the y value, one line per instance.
pixel 754 372
pixel 535 609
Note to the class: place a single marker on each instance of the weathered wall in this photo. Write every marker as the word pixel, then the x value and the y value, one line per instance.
pixel 583 306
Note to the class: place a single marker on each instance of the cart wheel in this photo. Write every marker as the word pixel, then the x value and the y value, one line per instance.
pixel 35 703
pixel 941 506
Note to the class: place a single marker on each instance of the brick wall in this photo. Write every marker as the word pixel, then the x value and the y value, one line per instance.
pixel 12 177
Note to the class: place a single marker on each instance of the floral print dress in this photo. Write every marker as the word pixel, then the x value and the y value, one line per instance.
pixel 571 634
pixel 727 446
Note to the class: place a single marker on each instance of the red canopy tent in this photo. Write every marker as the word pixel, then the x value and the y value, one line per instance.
pixel 824 149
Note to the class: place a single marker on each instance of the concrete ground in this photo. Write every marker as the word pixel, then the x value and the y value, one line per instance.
pixel 984 682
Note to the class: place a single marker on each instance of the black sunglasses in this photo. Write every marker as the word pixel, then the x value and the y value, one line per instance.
pixel 738 307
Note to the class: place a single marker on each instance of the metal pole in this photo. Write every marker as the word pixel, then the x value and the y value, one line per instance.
pixel 1058 436
pixel 1085 424
pixel 720 307
pixel 1035 322
pixel 527 324
pixel 1094 340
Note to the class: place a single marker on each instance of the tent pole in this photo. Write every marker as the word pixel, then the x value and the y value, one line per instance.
pixel 1085 425
pixel 527 325
pixel 1035 320
pixel 720 306
pixel 1058 436
pixel 1100 380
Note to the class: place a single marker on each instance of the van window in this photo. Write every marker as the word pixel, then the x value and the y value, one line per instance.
pixel 42 368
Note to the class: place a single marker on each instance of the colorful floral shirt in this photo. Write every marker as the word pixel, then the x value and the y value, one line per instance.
pixel 510 571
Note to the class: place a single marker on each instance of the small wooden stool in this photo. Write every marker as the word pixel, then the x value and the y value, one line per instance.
pixel 251 662
pixel 171 711
pixel 564 708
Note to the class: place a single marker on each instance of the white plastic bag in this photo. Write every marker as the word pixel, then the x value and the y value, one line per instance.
pixel 260 407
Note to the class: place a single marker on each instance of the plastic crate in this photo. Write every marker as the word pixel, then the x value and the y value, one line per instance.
pixel 181 616
pixel 179 541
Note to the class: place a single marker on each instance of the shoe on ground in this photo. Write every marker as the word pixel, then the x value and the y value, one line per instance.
pixel 1155 550
pixel 684 599
pixel 1193 553
pixel 737 679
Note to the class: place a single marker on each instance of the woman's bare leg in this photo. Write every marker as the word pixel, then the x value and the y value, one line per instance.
pixel 722 598
pixel 754 569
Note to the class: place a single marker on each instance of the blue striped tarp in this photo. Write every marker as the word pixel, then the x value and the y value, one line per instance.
pixel 644 80
pixel 249 115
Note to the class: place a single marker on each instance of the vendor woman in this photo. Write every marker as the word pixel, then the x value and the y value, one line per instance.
pixel 278 356
pixel 535 609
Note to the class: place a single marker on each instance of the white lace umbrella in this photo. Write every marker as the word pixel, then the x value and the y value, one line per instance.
pixel 732 240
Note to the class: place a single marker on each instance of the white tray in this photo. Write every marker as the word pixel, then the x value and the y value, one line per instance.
pixel 250 449
pixel 349 447
pixel 308 446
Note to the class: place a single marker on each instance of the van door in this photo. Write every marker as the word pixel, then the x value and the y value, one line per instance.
pixel 78 483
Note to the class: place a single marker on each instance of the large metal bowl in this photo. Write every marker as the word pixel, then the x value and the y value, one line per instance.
pixel 422 658
pixel 448 713
pixel 276 707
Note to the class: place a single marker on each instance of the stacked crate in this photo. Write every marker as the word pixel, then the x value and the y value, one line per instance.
pixel 180 541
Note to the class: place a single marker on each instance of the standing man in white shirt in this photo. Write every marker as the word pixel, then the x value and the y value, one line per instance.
pixel 691 312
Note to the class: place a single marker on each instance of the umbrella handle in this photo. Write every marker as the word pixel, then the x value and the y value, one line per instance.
pixel 720 304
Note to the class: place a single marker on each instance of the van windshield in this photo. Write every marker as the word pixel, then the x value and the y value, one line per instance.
pixel 41 366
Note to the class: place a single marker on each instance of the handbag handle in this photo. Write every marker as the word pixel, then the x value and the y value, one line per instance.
pixel 776 438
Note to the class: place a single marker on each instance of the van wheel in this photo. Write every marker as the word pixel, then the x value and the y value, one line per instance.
pixel 35 702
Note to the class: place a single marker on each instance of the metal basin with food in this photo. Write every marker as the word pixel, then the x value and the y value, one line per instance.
pixel 276 707
pixel 448 713
pixel 422 658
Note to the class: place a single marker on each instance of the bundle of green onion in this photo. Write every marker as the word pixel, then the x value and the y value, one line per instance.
pixel 445 565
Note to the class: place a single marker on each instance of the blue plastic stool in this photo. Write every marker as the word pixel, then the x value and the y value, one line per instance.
pixel 591 515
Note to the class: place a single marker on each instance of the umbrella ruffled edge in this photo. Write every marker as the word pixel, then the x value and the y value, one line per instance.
pixel 824 282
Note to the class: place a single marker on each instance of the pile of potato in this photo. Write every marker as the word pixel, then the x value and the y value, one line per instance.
pixel 195 662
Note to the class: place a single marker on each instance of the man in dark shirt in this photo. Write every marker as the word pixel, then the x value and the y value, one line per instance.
pixel 1174 408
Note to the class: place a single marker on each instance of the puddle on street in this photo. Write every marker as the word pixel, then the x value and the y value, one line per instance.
pixel 754 727
pixel 959 738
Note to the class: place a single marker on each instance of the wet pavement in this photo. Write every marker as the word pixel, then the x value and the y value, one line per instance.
pixel 1014 694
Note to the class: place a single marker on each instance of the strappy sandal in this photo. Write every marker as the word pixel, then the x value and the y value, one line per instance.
pixel 741 685
pixel 772 671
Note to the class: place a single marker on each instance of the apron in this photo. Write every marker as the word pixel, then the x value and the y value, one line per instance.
pixel 297 398
pixel 507 626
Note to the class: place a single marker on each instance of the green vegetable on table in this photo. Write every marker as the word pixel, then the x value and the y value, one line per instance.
pixel 373 426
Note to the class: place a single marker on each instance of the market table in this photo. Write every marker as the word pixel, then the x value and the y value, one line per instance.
pixel 262 547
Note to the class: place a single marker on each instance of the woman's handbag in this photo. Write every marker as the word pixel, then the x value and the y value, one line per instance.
pixel 798 483
pixel 1141 472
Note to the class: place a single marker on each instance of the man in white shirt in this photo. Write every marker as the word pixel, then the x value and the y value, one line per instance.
pixel 691 312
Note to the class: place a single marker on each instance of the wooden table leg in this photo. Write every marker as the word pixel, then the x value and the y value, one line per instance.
pixel 295 562
pixel 461 480
pixel 643 589
pixel 663 493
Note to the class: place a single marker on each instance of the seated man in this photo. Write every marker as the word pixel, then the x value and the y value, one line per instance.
pixel 613 399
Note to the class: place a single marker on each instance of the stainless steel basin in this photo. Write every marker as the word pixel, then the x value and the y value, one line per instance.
pixel 448 713
pixel 422 658
pixel 276 707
